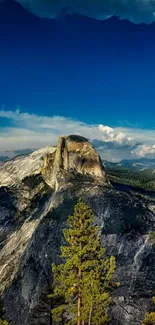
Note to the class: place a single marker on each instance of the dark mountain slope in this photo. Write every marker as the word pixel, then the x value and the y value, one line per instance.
pixel 33 209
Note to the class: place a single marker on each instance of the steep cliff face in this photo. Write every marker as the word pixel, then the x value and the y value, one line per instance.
pixel 74 154
pixel 34 205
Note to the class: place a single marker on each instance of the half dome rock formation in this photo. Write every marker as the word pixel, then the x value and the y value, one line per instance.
pixel 74 154
pixel 37 193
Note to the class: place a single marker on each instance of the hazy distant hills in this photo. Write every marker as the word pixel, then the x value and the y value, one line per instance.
pixel 136 172
pixel 134 164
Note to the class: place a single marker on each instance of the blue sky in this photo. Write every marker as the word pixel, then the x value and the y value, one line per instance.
pixel 99 72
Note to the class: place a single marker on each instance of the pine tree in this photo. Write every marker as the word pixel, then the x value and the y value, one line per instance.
pixel 3 322
pixel 149 317
pixel 84 281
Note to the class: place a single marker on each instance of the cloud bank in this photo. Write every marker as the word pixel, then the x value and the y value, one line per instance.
pixel 29 131
pixel 135 10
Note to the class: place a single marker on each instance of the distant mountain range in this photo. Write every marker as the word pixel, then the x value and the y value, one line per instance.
pixel 134 164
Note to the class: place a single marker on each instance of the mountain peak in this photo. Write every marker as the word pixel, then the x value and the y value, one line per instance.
pixel 74 154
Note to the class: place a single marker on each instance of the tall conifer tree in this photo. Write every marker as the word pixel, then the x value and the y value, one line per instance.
pixel 149 317
pixel 84 280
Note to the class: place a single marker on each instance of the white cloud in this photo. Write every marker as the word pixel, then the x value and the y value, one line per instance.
pixel 146 151
pixel 111 134
pixel 134 10
pixel 34 131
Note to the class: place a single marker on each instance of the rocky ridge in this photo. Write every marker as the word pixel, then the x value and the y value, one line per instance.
pixel 37 193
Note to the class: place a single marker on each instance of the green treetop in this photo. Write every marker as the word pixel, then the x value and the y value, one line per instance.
pixel 149 317
pixel 3 322
pixel 84 281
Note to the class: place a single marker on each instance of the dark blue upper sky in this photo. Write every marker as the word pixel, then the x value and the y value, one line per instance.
pixel 95 71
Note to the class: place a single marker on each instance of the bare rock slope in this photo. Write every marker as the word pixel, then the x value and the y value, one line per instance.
pixel 37 193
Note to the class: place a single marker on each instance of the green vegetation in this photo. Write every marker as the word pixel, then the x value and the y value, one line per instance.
pixel 3 322
pixel 149 317
pixel 143 179
pixel 152 237
pixel 83 283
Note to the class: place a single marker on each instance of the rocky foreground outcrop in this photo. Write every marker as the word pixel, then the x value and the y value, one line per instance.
pixel 37 193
